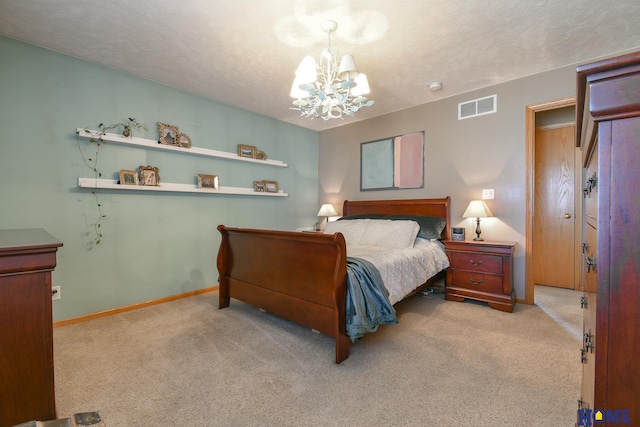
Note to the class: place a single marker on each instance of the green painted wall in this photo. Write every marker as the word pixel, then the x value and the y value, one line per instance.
pixel 154 245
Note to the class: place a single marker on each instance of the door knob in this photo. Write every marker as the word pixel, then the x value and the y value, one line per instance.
pixel 567 215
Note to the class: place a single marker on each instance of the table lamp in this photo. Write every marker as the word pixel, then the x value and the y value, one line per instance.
pixel 477 209
pixel 327 210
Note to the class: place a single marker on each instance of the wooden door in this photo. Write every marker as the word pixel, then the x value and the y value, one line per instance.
pixel 554 207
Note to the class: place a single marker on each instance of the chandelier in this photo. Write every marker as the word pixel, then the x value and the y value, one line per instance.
pixel 329 89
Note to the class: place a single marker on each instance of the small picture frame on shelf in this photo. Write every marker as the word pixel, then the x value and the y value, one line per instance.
pixel 149 176
pixel 128 177
pixel 258 186
pixel 184 141
pixel 208 181
pixel 248 151
pixel 168 134
pixel 260 155
pixel 271 186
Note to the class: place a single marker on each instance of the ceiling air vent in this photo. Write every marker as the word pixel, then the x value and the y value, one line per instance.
pixel 478 107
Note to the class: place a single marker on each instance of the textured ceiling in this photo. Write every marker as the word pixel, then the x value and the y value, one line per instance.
pixel 244 52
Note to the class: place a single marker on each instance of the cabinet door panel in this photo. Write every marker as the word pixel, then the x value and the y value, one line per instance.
pixel 619 282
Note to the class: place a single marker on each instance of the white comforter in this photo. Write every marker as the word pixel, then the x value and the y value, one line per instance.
pixel 403 270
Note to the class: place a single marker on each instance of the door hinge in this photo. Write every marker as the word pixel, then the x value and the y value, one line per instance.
pixel 584 302
pixel 588 341
pixel 590 263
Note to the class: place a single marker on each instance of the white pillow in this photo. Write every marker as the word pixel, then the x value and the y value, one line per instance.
pixel 376 232
pixel 390 234
pixel 352 230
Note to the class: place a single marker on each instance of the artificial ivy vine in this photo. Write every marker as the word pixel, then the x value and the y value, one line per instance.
pixel 92 161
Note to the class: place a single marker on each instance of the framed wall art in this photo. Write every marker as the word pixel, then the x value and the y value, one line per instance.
pixel 258 186
pixel 128 177
pixel 183 140
pixel 392 163
pixel 208 181
pixel 168 134
pixel 271 186
pixel 247 151
pixel 149 175
pixel 260 155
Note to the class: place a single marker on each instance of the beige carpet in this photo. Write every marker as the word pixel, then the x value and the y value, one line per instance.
pixel 186 363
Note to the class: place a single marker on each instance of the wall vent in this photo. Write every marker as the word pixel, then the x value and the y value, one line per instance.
pixel 478 107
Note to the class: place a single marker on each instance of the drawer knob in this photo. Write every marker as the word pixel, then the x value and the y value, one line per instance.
pixel 476 282
pixel 475 263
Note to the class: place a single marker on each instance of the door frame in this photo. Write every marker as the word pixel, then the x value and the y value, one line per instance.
pixel 530 139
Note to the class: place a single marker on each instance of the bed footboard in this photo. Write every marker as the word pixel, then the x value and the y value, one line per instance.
pixel 296 275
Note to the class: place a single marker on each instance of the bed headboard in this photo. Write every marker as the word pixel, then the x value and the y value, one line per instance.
pixel 427 207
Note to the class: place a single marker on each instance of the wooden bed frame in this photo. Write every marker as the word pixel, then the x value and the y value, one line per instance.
pixel 301 276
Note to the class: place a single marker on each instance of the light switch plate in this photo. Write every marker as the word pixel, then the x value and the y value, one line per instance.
pixel 487 194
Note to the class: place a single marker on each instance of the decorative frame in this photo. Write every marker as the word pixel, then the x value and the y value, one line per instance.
pixel 271 186
pixel 168 134
pixel 258 186
pixel 208 181
pixel 261 155
pixel 183 140
pixel 149 176
pixel 128 177
pixel 392 163
pixel 248 151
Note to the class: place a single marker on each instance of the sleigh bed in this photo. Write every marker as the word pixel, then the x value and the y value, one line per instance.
pixel 303 276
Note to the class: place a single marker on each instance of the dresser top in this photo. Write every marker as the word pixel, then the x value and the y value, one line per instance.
pixel 480 243
pixel 29 238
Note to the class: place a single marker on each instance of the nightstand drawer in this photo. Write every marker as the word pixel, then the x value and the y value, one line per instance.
pixel 477 281
pixel 476 262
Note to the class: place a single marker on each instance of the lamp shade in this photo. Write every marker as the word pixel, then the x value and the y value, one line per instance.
pixel 362 85
pixel 307 70
pixel 347 70
pixel 327 210
pixel 296 91
pixel 477 209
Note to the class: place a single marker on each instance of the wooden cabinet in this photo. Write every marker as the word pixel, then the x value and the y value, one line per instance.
pixel 481 271
pixel 608 132
pixel 27 258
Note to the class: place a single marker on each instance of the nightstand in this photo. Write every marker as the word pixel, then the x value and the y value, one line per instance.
pixel 481 271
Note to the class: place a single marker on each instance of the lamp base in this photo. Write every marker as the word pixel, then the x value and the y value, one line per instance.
pixel 478 238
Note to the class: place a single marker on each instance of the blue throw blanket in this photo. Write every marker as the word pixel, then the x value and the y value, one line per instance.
pixel 368 304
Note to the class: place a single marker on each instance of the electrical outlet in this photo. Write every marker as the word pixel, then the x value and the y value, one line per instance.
pixel 487 194
pixel 55 293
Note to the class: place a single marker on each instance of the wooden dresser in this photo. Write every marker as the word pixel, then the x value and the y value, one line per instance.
pixel 27 258
pixel 608 132
pixel 481 271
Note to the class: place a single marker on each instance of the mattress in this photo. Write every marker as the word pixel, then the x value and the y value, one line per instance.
pixel 403 270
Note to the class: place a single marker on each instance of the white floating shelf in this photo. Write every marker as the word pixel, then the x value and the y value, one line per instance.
pixel 112 184
pixel 149 143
